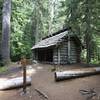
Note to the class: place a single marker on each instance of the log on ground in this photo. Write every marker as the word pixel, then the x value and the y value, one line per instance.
pixel 14 83
pixel 63 75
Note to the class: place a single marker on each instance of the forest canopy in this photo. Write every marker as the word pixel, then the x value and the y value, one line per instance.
pixel 31 20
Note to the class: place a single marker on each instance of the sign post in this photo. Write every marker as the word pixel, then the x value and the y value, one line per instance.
pixel 24 63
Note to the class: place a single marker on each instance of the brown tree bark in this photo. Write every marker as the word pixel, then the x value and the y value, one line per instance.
pixel 5 43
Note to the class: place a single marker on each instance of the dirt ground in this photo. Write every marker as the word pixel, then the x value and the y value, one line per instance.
pixel 43 80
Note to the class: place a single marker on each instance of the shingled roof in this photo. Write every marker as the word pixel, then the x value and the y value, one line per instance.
pixel 54 39
pixel 51 41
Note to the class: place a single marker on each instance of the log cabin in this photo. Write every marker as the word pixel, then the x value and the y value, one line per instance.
pixel 62 47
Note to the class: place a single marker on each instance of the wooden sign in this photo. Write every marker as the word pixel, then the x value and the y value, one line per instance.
pixel 23 61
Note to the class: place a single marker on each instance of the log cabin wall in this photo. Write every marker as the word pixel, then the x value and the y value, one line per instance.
pixel 60 54
pixel 62 51
pixel 63 48
pixel 79 48
pixel 73 52
pixel 55 55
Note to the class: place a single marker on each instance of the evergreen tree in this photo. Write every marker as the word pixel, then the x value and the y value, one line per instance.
pixel 5 43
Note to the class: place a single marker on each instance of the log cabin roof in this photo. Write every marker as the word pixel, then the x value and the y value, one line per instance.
pixel 54 40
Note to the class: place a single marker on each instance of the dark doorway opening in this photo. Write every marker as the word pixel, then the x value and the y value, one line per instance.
pixel 45 55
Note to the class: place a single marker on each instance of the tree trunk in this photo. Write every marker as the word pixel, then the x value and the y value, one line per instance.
pixel 64 75
pixel 5 43
pixel 88 34
pixel 14 83
pixel 1 5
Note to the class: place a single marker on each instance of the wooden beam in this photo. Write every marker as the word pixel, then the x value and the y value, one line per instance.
pixel 58 55
pixel 69 48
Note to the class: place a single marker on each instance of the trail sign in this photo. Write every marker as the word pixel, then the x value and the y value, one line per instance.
pixel 24 64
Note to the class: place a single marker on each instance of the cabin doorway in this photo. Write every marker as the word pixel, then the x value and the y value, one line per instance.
pixel 45 55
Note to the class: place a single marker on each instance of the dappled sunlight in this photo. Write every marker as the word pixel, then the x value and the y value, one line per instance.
pixel 39 67
pixel 31 71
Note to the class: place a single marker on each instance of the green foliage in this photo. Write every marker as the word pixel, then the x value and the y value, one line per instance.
pixel 33 19
pixel 83 55
pixel 95 61
pixel 40 19
pixel 83 17
pixel 58 14
pixel 22 37
pixel 3 69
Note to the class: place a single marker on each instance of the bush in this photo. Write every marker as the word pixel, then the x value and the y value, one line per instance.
pixel 95 61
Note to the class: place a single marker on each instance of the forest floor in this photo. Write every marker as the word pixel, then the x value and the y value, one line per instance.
pixel 43 80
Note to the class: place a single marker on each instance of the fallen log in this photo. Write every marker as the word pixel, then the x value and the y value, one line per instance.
pixel 14 83
pixel 62 75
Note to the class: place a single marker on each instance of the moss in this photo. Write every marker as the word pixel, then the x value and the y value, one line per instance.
pixel 3 69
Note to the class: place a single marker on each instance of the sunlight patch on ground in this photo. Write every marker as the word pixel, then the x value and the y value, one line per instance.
pixel 39 67
pixel 30 70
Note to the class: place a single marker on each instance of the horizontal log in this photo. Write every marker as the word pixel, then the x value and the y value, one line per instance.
pixel 55 56
pixel 74 60
pixel 63 56
pixel 76 73
pixel 14 83
pixel 73 51
pixel 64 51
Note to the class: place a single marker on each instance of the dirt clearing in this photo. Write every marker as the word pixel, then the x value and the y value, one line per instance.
pixel 43 80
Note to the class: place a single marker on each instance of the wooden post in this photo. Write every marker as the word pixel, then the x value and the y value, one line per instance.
pixel 24 79
pixel 58 56
pixel 24 63
pixel 69 48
